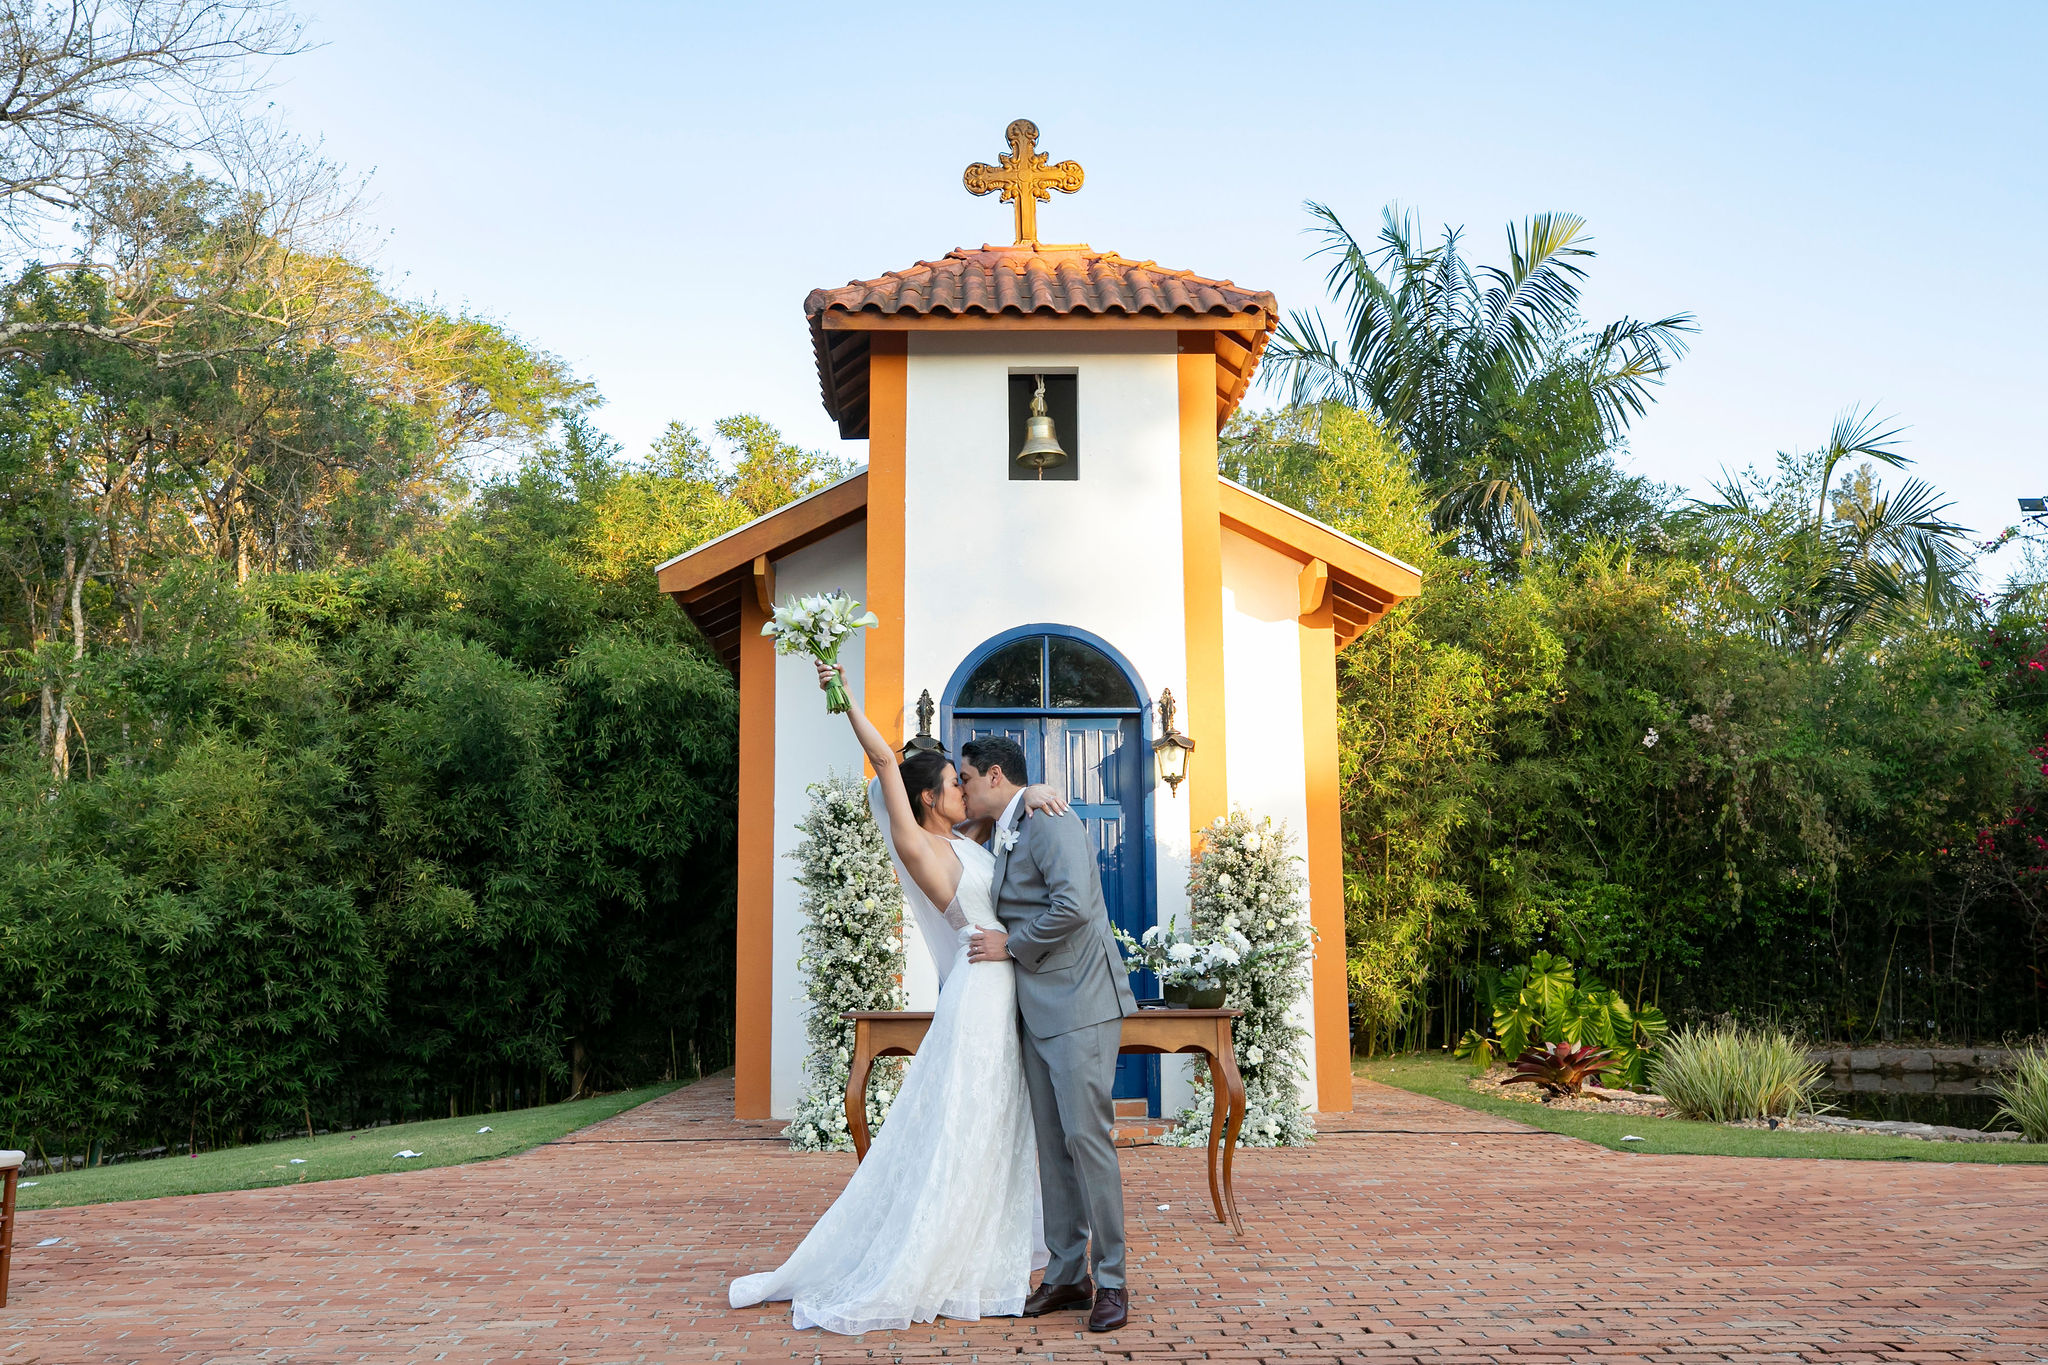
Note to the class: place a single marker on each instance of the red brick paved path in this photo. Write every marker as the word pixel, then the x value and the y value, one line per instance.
pixel 1414 1231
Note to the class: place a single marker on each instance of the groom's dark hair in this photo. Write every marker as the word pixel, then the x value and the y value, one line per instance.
pixel 997 751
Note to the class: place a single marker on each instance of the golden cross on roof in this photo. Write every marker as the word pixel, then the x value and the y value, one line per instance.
pixel 1024 179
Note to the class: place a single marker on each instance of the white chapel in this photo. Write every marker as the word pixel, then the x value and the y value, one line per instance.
pixel 1157 599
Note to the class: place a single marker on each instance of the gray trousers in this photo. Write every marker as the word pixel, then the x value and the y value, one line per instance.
pixel 1070 1078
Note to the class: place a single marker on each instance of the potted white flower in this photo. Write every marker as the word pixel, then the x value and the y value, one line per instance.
pixel 1192 972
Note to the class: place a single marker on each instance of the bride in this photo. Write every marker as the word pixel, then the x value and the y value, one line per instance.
pixel 942 1218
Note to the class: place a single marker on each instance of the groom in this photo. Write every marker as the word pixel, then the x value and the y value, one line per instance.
pixel 1072 995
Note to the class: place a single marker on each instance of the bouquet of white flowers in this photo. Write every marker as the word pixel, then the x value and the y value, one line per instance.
pixel 1178 958
pixel 817 626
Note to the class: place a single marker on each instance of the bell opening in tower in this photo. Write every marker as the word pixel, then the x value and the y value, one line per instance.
pixel 1062 403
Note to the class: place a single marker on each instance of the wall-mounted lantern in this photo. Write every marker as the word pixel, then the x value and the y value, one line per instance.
pixel 1170 751
pixel 924 743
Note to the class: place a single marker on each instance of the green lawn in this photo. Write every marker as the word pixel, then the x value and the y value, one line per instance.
pixel 440 1142
pixel 1443 1078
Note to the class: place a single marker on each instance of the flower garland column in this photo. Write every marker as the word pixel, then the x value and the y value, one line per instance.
pixel 851 958
pixel 1247 882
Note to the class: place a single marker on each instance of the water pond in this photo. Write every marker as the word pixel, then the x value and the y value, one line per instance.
pixel 1914 1098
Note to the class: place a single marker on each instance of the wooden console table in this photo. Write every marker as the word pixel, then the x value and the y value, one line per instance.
pixel 897 1033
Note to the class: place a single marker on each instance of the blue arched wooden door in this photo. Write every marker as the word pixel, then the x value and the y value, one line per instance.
pixel 1079 712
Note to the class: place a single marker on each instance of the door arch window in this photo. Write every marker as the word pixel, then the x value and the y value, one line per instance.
pixel 1047 673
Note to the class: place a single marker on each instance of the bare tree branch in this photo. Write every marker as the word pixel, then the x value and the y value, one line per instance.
pixel 97 85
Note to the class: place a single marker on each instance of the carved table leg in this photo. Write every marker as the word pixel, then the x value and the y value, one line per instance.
pixel 1233 1084
pixel 1218 1121
pixel 857 1093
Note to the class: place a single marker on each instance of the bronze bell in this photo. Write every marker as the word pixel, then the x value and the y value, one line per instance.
pixel 1041 447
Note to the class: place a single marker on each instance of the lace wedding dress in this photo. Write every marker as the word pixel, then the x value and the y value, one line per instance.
pixel 943 1217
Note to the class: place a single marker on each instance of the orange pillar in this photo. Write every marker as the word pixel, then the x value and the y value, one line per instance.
pixel 1201 549
pixel 888 398
pixel 1324 841
pixel 754 989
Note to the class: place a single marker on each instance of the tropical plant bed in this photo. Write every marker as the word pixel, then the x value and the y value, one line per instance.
pixel 1497 1080
pixel 1440 1077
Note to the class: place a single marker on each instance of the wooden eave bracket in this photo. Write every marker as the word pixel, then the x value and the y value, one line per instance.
pixel 764 585
pixel 1315 586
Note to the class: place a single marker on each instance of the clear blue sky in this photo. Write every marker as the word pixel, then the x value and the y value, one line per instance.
pixel 1849 196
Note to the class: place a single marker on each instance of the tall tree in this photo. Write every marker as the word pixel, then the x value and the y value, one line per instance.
pixel 1502 394
pixel 104 100
pixel 281 448
pixel 96 86
pixel 1818 561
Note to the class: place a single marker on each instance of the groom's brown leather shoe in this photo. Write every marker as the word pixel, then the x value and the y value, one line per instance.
pixel 1111 1311
pixel 1050 1297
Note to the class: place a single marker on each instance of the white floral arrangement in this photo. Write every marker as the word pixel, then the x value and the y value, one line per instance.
pixel 1247 885
pixel 851 955
pixel 818 625
pixel 1177 958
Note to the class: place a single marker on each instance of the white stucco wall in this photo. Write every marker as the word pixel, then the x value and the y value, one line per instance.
pixel 809 743
pixel 1102 553
pixel 1262 702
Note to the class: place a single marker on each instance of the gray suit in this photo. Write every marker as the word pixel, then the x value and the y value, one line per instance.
pixel 1072 996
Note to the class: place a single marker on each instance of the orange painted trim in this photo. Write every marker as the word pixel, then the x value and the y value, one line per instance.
pixel 1201 549
pixel 888 438
pixel 1329 980
pixel 754 949
pixel 803 522
pixel 1377 575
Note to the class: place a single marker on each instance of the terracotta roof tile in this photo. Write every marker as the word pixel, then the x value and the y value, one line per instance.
pixel 1027 280
pixel 1032 285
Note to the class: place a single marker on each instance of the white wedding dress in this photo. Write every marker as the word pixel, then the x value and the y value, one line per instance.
pixel 943 1217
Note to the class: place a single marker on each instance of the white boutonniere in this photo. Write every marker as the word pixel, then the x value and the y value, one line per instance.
pixel 1006 839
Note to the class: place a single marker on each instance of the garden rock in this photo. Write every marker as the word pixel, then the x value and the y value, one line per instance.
pixel 1928 1132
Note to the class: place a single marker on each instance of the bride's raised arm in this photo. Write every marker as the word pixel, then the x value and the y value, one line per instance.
pixel 937 876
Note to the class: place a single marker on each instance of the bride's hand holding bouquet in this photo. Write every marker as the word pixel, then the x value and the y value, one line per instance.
pixel 818 625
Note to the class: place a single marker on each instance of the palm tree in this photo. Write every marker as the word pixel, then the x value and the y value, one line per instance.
pixel 1452 358
pixel 1824 562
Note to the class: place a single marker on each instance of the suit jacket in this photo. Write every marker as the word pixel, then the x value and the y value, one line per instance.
pixel 1049 898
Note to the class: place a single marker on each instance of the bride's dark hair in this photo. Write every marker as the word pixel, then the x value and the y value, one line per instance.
pixel 924 774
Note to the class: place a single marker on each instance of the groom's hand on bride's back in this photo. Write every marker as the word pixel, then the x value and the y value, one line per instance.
pixel 988 945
